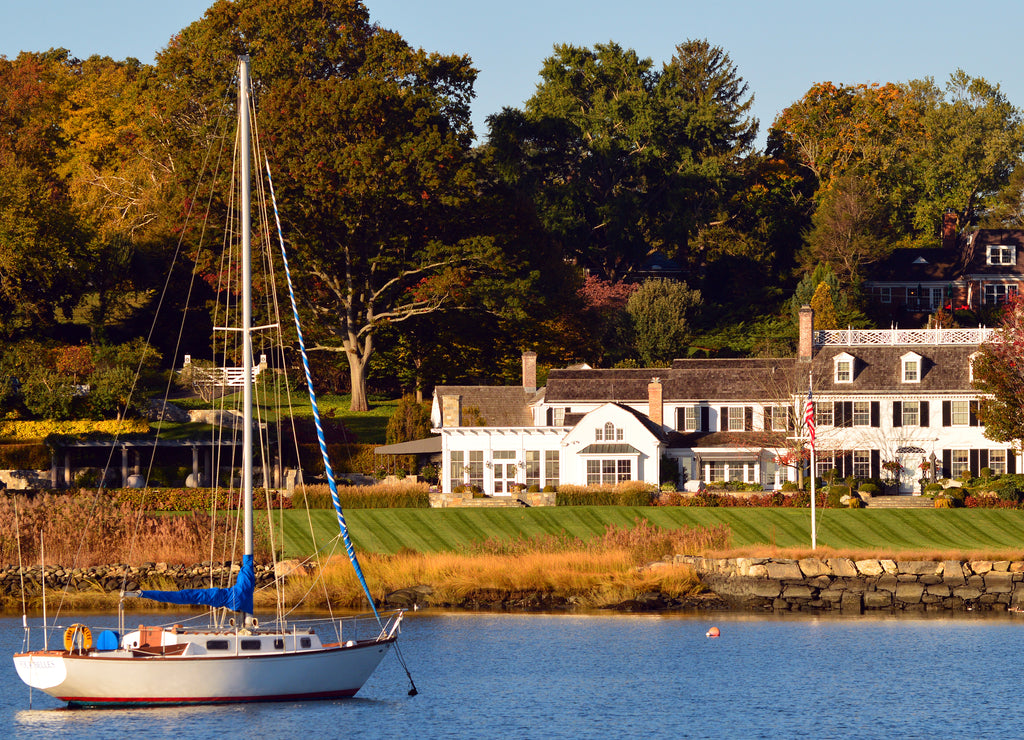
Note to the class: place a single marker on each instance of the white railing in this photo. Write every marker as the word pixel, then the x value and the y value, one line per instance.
pixel 222 377
pixel 855 337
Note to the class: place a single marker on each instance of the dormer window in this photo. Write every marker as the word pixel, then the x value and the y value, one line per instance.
pixel 843 368
pixel 1001 254
pixel 911 363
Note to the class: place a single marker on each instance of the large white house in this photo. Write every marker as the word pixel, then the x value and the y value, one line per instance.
pixel 883 398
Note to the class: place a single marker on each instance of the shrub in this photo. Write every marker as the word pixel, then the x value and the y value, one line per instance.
pixel 956 496
pixel 1008 487
pixel 24 457
pixel 404 495
pixel 789 487
pixel 835 493
pixel 986 472
pixel 869 488
pixel 632 493
pixel 930 489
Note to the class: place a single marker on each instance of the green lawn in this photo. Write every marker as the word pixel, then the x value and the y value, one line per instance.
pixel 431 530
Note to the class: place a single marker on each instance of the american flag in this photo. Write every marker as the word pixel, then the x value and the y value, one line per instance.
pixel 809 416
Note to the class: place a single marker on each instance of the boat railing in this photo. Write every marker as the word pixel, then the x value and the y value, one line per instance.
pixel 355 628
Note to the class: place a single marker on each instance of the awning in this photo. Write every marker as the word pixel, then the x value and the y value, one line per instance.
pixel 429 446
pixel 609 449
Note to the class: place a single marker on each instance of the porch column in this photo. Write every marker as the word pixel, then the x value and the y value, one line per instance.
pixel 67 468
pixel 124 465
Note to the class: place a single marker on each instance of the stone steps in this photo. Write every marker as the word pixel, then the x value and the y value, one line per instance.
pixel 900 502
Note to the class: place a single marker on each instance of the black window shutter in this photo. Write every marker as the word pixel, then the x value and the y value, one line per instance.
pixel 705 419
pixel 947 413
pixel 680 416
pixel 897 413
pixel 972 457
pixel 924 414
pixel 973 413
pixel 790 419
pixel 947 461
pixel 876 463
pixel 876 414
pixel 551 417
pixel 723 419
pixel 1011 461
pixel 982 460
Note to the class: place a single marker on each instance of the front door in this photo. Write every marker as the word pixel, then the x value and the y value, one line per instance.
pixel 910 472
pixel 504 477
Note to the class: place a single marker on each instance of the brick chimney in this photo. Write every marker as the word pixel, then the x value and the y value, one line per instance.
pixel 655 404
pixel 530 371
pixel 805 348
pixel 451 411
pixel 949 223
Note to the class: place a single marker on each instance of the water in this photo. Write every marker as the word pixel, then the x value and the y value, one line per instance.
pixel 621 676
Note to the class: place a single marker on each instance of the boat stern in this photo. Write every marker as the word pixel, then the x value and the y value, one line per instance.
pixel 41 670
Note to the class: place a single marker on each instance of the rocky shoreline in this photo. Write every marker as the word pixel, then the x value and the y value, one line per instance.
pixel 833 585
pixel 842 585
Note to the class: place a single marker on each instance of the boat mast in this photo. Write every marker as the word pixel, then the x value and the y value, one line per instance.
pixel 243 129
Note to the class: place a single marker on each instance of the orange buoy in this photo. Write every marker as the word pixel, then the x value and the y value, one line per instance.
pixel 713 632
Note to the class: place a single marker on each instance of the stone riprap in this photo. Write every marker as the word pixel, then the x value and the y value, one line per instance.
pixel 856 586
pixel 114 578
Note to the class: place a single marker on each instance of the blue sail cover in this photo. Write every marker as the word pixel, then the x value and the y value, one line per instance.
pixel 237 598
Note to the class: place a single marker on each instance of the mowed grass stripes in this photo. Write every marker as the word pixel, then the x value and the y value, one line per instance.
pixel 439 530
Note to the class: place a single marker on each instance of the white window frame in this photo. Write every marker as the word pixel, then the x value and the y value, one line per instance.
pixel 691 418
pixel 825 461
pixel 885 294
pixel 997 293
pixel 1001 254
pixel 998 466
pixel 911 367
pixel 608 433
pixel 959 461
pixel 959 410
pixel 911 413
pixel 861 414
pixel 843 368
pixel 824 415
pixel 735 418
pixel 609 471
pixel 861 460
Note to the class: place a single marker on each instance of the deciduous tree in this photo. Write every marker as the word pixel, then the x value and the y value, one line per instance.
pixel 371 142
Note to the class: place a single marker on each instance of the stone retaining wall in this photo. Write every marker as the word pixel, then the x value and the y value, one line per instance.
pixel 112 578
pixel 451 500
pixel 856 586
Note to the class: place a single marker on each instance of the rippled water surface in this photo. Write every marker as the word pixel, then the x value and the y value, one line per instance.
pixel 621 676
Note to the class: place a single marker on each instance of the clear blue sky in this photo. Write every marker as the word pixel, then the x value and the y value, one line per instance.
pixel 780 47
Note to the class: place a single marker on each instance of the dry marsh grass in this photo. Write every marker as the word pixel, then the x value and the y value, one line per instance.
pixel 593 573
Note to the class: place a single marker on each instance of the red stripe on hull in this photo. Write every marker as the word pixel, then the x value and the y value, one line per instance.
pixel 138 702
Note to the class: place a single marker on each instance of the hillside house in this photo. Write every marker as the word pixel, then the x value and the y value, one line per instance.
pixel 977 270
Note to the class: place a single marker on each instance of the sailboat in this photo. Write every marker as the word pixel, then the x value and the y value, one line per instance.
pixel 238 660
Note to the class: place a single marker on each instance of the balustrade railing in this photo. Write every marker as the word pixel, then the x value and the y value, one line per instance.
pixel 854 337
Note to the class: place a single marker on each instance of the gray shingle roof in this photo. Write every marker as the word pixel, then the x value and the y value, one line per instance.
pixel 740 379
pixel 499 406
pixel 878 369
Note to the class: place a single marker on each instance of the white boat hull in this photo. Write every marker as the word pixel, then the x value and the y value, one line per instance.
pixel 119 679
